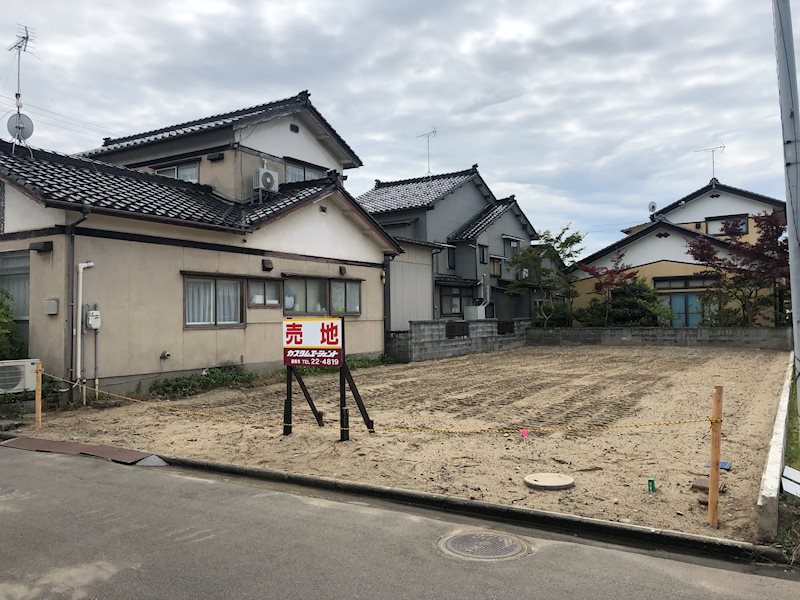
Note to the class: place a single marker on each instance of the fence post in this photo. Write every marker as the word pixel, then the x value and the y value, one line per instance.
pixel 713 475
pixel 38 397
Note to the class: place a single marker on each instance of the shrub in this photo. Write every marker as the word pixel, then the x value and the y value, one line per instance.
pixel 181 387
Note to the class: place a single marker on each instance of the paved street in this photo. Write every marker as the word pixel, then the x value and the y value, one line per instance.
pixel 75 527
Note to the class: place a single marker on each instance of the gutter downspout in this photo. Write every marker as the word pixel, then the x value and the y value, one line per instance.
pixel 79 352
pixel 69 345
pixel 434 271
pixel 387 295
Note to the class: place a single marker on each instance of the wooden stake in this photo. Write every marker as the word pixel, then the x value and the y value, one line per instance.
pixel 713 476
pixel 38 401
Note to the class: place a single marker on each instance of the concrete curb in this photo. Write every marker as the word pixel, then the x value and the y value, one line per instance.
pixel 596 529
pixel 769 493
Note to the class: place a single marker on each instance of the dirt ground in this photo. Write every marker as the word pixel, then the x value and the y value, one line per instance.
pixel 529 387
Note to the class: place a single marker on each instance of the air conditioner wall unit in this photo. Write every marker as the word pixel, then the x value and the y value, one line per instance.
pixel 264 179
pixel 17 375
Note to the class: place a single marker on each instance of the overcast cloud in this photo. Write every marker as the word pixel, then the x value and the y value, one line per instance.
pixel 585 110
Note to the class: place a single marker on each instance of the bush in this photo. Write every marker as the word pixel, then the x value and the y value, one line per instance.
pixel 181 387
pixel 635 304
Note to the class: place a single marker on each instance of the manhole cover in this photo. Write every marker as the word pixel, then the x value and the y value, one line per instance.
pixel 483 545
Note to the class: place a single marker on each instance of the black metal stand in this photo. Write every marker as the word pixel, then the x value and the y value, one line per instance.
pixel 359 401
pixel 287 405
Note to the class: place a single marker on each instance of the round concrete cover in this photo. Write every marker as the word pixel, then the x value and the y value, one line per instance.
pixel 549 481
pixel 484 545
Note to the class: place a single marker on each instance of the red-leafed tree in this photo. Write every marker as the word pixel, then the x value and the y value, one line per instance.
pixel 754 276
pixel 609 279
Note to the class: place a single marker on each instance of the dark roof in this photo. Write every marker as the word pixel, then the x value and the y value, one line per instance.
pixel 236 118
pixel 420 192
pixel 651 227
pixel 405 240
pixel 715 184
pixel 478 223
pixel 86 185
pixel 456 281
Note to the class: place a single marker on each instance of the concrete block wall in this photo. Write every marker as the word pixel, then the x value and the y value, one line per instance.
pixel 427 340
pixel 779 338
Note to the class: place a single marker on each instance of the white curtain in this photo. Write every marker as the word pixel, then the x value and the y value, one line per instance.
pixel 199 301
pixel 18 287
pixel 228 302
pixel 353 296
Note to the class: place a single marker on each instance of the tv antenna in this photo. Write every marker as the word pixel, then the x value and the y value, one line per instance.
pixel 714 150
pixel 20 125
pixel 428 136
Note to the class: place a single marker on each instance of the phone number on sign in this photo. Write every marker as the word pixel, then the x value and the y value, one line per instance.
pixel 314 362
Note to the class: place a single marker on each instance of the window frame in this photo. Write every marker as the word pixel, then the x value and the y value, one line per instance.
pixel 461 295
pixel 483 254
pixel 175 167
pixel 498 261
pixel 242 281
pixel 15 271
pixel 265 280
pixel 451 258
pixel 287 161
pixel 330 298
pixel 721 219
pixel 326 284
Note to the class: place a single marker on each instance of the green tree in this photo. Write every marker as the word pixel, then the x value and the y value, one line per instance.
pixel 544 264
pixel 633 303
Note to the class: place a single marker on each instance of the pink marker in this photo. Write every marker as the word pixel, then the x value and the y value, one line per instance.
pixel 524 434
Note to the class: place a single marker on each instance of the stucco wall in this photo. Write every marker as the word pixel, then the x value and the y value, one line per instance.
pixel 24 214
pixel 411 286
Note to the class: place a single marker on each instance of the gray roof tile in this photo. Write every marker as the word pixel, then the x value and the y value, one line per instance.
pixel 388 196
pixel 478 223
pixel 78 183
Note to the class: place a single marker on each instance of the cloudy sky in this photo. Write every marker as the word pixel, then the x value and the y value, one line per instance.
pixel 585 110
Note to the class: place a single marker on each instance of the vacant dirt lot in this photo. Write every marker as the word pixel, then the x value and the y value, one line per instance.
pixel 530 387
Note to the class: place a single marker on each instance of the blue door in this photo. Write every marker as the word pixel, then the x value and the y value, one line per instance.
pixel 686 310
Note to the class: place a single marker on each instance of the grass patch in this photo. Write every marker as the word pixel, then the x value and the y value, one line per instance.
pixel 182 387
pixel 792 455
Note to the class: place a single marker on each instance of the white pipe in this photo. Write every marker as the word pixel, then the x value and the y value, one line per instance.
pixel 79 342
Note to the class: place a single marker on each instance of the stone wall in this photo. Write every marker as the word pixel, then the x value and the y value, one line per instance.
pixel 427 340
pixel 734 337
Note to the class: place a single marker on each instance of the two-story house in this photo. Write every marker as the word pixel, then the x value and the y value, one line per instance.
pixel 657 250
pixel 193 247
pixel 454 223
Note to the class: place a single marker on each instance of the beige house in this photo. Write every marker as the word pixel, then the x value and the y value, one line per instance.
pixel 194 255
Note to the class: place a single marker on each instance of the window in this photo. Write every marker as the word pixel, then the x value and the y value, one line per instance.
pixel 345 297
pixel 714 224
pixel 300 172
pixel 451 258
pixel 683 282
pixel 483 254
pixel 186 171
pixel 510 247
pixel 15 281
pixel 495 267
pixel 453 300
pixel 264 292
pixel 305 296
pixel 213 301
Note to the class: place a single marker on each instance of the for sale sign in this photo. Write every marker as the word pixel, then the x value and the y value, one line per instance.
pixel 312 342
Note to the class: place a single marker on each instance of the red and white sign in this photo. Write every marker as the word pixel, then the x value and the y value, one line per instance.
pixel 312 342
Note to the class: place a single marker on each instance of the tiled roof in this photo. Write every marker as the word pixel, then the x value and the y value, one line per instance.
pixel 456 281
pixel 79 184
pixel 715 184
pixel 238 117
pixel 478 223
pixel 388 196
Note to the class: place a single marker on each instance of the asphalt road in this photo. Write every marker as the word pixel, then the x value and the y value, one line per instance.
pixel 74 527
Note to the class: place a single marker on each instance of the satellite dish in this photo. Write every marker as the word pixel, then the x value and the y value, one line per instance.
pixel 267 180
pixel 651 207
pixel 20 126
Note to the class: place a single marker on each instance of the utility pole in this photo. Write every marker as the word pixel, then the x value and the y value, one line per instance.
pixel 787 93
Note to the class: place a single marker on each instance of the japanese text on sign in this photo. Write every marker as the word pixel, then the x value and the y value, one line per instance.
pixel 312 343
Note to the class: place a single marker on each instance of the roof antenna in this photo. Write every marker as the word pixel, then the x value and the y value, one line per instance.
pixel 20 125
pixel 428 136
pixel 714 150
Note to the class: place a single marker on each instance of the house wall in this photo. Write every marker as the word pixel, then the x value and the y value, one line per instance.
pixel 274 137
pixel 163 151
pixel 507 224
pixel 725 204
pixel 23 214
pixel 411 286
pixel 447 215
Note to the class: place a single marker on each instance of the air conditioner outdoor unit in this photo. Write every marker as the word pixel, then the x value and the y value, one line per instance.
pixel 522 274
pixel 17 375
pixel 264 179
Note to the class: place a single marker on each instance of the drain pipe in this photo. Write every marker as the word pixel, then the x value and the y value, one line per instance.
pixel 79 367
pixel 96 368
pixel 69 267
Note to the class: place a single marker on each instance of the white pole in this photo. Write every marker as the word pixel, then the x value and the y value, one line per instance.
pixel 79 328
pixel 787 93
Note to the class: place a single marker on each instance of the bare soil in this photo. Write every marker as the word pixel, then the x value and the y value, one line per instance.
pixel 529 387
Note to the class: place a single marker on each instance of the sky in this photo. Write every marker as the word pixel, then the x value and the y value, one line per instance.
pixel 586 111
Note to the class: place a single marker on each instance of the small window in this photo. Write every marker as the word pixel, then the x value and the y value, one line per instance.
pixel 453 299
pixel 451 258
pixel 345 297
pixel 305 296
pixel 495 267
pixel 300 172
pixel 483 254
pixel 264 292
pixel 186 171
pixel 510 248
pixel 210 301
pixel 714 225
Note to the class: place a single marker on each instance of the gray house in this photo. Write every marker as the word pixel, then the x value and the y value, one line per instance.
pixel 454 223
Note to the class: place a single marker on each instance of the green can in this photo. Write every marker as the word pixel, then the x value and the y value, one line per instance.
pixel 651 484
